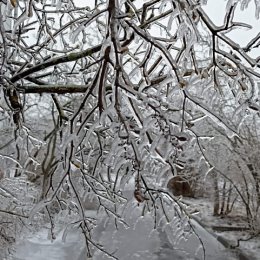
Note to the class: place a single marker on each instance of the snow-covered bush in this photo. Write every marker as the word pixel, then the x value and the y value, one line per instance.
pixel 17 200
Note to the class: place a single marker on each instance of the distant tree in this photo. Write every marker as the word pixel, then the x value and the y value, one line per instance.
pixel 99 93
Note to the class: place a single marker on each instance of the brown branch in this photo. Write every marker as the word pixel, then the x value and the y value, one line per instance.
pixel 13 213
pixel 58 89
pixel 57 60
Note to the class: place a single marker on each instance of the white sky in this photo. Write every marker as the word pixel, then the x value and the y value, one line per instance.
pixel 216 11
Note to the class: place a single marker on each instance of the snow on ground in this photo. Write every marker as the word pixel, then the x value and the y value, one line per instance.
pixel 204 207
pixel 40 247
pixel 137 240
pixel 251 248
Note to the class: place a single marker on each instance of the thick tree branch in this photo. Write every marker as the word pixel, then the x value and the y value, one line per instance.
pixel 58 89
pixel 13 213
pixel 55 61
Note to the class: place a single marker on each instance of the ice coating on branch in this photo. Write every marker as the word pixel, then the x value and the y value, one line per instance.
pixel 182 30
pixel 257 8
pixel 171 19
pixel 74 35
pixel 23 17
pixel 155 144
pixel 162 174
pixel 66 142
pixel 59 4
pixel 212 115
pixel 163 5
pixel 230 3
pixel 244 5
pixel 191 40
pixel 2 156
pixel 126 242
pixel 39 206
pixel 146 122
pixel 8 194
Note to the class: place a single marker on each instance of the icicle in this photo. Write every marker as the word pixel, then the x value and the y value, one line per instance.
pixel 257 8
pixel 58 5
pixel 171 19
pixel 230 3
pixel 42 204
pixel 75 34
pixel 244 4
pixel 24 16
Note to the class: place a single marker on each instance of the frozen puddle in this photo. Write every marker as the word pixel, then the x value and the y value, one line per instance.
pixel 41 248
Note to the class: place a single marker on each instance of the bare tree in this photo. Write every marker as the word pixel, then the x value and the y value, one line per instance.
pixel 130 80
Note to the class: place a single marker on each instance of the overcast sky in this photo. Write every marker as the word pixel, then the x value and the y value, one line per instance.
pixel 216 11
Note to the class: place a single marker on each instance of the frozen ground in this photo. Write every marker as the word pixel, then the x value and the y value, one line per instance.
pixel 137 241
pixel 41 248
pixel 250 248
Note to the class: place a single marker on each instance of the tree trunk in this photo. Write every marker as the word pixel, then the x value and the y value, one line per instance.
pixel 216 195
